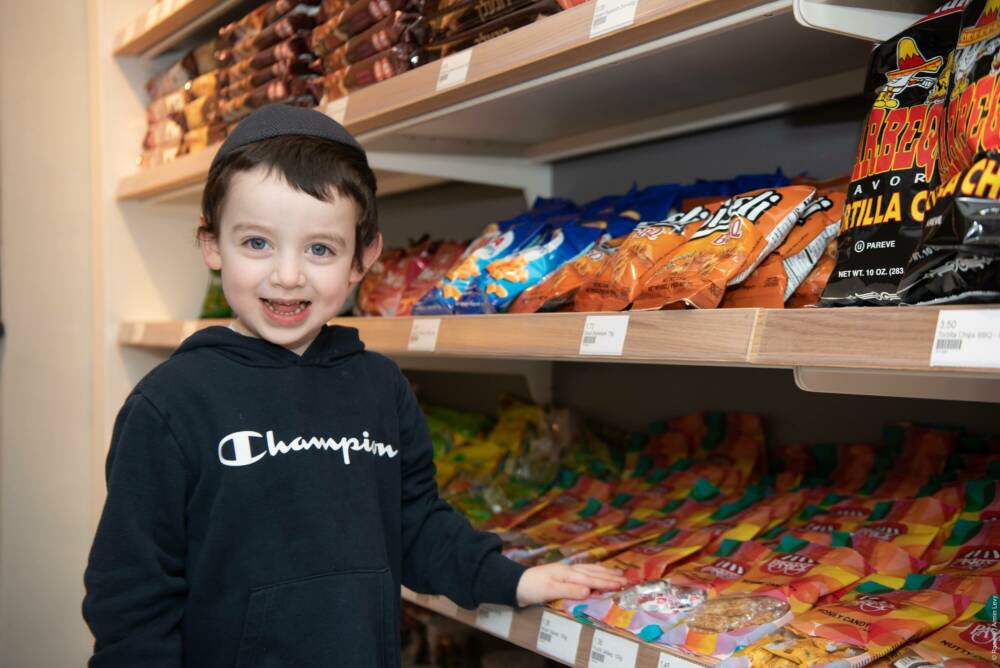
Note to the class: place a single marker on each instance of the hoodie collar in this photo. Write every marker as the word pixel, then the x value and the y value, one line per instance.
pixel 331 345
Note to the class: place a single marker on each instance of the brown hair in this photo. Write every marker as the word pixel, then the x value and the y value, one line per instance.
pixel 317 167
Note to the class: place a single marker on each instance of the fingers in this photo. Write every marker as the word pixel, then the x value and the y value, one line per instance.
pixel 601 572
pixel 579 577
pixel 557 589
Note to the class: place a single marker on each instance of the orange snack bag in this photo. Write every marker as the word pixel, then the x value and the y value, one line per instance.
pixel 972 549
pixel 557 501
pixel 782 271
pixel 724 250
pixel 597 548
pixel 541 542
pixel 811 289
pixel 614 286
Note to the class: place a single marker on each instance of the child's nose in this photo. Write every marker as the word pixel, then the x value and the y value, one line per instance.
pixel 288 273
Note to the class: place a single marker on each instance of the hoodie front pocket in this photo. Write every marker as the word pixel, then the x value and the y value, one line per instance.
pixel 343 619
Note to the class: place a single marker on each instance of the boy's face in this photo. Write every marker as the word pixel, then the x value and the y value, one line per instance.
pixel 287 259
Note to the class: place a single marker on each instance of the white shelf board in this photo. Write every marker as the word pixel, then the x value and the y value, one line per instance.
pixel 870 20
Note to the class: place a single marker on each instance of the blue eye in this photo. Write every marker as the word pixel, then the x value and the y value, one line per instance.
pixel 320 250
pixel 256 243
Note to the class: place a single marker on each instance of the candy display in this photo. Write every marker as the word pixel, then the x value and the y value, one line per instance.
pixel 751 556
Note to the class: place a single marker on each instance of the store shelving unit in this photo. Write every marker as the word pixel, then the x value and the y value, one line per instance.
pixel 524 627
pixel 551 91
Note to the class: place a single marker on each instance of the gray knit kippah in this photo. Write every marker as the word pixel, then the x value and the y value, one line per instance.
pixel 279 120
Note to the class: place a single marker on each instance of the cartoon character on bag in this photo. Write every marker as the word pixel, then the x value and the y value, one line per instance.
pixel 910 65
pixel 983 40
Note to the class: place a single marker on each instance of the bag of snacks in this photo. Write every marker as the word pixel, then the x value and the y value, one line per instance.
pixel 971 642
pixel 896 161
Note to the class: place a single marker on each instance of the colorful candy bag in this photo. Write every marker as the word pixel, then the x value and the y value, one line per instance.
pixel 958 257
pixel 780 274
pixel 541 543
pixel 972 117
pixel 877 624
pixel 910 524
pixel 614 287
pixel 724 250
pixel 507 278
pixel 973 548
pixel 604 546
pixel 569 495
pixel 896 161
pixel 973 641
pixel 498 240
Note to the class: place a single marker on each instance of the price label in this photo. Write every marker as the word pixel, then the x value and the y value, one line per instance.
pixel 337 110
pixel 424 335
pixel 604 335
pixel 611 15
pixel 558 637
pixel 668 661
pixel 495 619
pixel 610 650
pixel 969 338
pixel 454 69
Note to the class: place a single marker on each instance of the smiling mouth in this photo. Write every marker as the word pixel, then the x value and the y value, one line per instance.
pixel 286 307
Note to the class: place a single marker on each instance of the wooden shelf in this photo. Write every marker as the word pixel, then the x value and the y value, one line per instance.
pixel 525 624
pixel 165 24
pixel 896 340
pixel 548 91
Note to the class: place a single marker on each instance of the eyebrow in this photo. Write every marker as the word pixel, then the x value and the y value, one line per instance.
pixel 249 227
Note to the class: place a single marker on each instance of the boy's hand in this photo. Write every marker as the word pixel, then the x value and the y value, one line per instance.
pixel 540 584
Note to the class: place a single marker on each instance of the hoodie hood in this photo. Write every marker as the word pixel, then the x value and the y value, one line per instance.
pixel 332 345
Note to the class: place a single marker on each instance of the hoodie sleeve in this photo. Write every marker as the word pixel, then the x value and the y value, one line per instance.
pixel 442 553
pixel 135 585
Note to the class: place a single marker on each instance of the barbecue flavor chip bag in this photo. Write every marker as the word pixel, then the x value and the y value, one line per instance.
pixel 958 257
pixel 896 160
pixel 614 287
pixel 724 250
pixel 972 117
pixel 971 642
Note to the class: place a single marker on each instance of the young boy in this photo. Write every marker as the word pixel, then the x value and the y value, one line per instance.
pixel 271 485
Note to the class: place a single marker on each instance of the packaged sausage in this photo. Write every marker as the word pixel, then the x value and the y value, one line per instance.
pixel 384 65
pixel 173 78
pixel 328 9
pixel 355 19
pixel 465 15
pixel 281 69
pixel 291 90
pixel 388 32
pixel 205 84
pixel 972 116
pixel 204 57
pixel 168 107
pixel 247 26
pixel 444 45
pixel 293 48
pixel 201 112
pixel 615 286
pixel 282 29
pixel 896 160
pixel 203 137
pixel 281 8
pixel 724 249
pixel 958 256
pixel 163 134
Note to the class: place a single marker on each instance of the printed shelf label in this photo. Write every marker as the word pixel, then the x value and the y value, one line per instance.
pixel 424 335
pixel 454 69
pixel 495 619
pixel 337 110
pixel 967 338
pixel 558 637
pixel 670 661
pixel 608 650
pixel 611 15
pixel 604 335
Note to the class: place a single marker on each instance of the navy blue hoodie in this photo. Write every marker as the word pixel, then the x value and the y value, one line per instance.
pixel 264 508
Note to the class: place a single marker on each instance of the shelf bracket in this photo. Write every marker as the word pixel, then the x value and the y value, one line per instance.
pixel 535 179
pixel 537 374
pixel 871 20
pixel 909 384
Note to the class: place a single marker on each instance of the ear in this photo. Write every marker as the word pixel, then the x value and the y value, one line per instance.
pixel 368 258
pixel 209 246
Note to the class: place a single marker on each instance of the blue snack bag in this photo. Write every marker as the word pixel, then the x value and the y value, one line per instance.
pixel 497 240
pixel 507 278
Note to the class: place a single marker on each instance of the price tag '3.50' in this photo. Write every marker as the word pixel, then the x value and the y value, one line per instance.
pixel 967 338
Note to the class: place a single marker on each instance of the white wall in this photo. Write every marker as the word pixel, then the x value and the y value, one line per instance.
pixel 45 373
